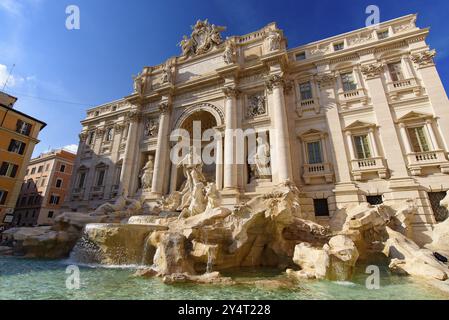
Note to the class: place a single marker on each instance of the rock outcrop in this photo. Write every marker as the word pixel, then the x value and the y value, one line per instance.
pixel 407 257
pixel 334 261
pixel 58 240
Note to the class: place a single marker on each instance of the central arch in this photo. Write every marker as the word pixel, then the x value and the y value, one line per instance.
pixel 209 117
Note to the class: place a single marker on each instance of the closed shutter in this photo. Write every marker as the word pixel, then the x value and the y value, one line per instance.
pixel 22 148
pixel 3 196
pixel 14 170
pixel 4 168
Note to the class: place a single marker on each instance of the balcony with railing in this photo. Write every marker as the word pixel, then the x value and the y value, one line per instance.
pixel 305 105
pixel 369 165
pixel 401 86
pixel 419 160
pixel 317 171
pixel 77 193
pixel 350 96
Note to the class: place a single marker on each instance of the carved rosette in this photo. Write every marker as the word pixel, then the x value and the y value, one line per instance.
pixel 424 58
pixel 164 107
pixel 326 79
pixel 373 70
pixel 273 81
pixel 230 92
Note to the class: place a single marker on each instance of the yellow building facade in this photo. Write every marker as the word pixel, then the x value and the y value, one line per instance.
pixel 18 137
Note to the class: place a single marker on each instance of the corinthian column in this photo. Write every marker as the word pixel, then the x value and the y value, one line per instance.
pixel 160 162
pixel 230 167
pixel 133 118
pixel 282 167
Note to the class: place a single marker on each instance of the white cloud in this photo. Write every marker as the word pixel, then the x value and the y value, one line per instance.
pixel 4 74
pixel 71 148
pixel 13 7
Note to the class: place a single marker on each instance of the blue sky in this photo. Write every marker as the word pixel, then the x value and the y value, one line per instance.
pixel 117 38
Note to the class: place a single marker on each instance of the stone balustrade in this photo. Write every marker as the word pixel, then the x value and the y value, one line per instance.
pixel 369 165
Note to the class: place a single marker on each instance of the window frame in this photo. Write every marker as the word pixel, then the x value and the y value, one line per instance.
pixel 345 85
pixel 320 151
pixel 364 151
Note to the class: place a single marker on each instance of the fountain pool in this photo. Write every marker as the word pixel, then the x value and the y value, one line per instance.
pixel 45 279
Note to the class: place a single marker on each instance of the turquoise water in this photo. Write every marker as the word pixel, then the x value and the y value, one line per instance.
pixel 40 279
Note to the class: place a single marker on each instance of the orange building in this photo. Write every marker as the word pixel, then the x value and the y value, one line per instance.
pixel 18 136
pixel 44 188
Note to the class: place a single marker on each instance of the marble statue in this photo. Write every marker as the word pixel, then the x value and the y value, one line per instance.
pixel 203 38
pixel 167 73
pixel 146 174
pixel 229 53
pixel 213 196
pixel 186 45
pixel 273 40
pixel 262 167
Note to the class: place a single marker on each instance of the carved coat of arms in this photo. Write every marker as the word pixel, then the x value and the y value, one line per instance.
pixel 204 37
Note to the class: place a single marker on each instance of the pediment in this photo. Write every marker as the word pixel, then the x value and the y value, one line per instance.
pixel 311 132
pixel 413 115
pixel 359 125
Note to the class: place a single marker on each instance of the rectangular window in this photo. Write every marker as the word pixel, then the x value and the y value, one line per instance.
pixel 109 135
pixel 362 147
pixel 54 199
pixel 39 170
pixel 382 35
pixel 321 207
pixel 8 169
pixel 440 212
pixel 23 127
pixel 42 182
pixel 82 177
pixel 47 167
pixel 395 70
pixel 305 90
pixel 27 172
pixel 16 146
pixel 50 214
pixel 33 170
pixel 374 200
pixel 3 195
pixel 418 139
pixel 348 82
pixel 300 56
pixel 62 168
pixel 339 46
pixel 314 152
pixel 90 138
pixel 58 183
pixel 100 178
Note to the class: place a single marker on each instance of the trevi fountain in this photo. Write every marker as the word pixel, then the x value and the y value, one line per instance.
pixel 179 231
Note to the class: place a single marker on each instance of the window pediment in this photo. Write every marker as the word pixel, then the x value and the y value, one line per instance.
pixel 357 125
pixel 312 133
pixel 414 116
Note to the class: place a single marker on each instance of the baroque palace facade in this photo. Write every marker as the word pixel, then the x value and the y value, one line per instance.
pixel 361 116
